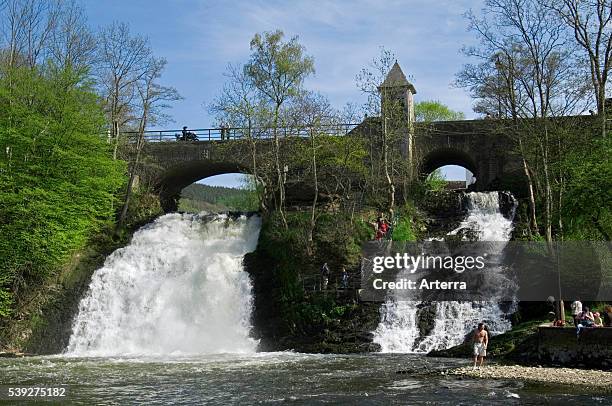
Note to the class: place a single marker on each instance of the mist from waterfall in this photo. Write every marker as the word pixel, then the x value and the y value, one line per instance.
pixel 179 287
pixel 399 330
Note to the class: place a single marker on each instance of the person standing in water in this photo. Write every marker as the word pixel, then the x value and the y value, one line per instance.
pixel 481 341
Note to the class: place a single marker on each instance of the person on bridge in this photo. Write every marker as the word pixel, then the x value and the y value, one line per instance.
pixel 186 135
pixel 224 131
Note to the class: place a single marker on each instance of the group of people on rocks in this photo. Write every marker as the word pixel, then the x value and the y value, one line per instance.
pixel 584 317
pixel 325 274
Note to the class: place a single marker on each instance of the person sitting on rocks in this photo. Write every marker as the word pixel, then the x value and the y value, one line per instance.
pixel 597 321
pixel 585 319
pixel 607 316
pixel 576 310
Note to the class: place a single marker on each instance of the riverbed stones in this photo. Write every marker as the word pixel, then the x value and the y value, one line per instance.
pixel 587 378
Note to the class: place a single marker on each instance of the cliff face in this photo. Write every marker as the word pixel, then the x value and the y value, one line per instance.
pixel 291 311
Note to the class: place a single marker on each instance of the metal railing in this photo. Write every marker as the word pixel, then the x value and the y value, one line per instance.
pixel 236 133
pixel 313 283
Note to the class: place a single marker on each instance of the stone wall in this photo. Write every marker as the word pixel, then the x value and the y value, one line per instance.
pixel 561 346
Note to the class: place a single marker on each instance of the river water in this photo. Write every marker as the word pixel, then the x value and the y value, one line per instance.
pixel 276 378
pixel 166 320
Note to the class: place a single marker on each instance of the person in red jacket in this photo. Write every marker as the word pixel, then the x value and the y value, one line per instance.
pixel 382 227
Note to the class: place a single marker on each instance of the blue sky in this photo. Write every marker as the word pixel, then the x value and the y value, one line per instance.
pixel 199 39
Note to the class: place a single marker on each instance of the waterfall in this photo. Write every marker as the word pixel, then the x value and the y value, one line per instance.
pixel 178 287
pixel 399 330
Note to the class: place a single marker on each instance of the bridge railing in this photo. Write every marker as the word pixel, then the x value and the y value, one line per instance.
pixel 236 133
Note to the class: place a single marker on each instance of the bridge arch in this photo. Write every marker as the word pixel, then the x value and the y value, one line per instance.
pixel 448 156
pixel 181 175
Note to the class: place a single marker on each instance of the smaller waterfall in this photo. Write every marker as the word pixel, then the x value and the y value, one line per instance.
pixel 178 287
pixel 399 329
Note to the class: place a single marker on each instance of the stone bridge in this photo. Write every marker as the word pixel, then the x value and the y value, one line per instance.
pixel 171 165
pixel 175 159
pixel 477 145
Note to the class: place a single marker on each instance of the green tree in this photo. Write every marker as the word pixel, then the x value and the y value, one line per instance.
pixel 432 110
pixel 277 69
pixel 588 202
pixel 57 175
pixel 436 181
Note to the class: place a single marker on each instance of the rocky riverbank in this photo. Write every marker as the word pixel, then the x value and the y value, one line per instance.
pixel 596 380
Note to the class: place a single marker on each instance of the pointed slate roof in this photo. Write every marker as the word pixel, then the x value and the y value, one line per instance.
pixel 396 78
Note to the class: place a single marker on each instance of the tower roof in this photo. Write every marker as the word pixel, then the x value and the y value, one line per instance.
pixel 396 78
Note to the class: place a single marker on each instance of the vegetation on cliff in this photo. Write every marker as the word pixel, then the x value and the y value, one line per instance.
pixel 292 311
pixel 57 177
pixel 61 178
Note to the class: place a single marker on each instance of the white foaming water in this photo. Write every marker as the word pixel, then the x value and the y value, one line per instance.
pixel 178 288
pixel 398 330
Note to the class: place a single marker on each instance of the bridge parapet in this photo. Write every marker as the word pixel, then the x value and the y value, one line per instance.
pixel 236 133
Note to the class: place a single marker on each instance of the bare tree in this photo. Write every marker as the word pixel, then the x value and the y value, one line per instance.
pixel 528 72
pixel 240 106
pixel 591 24
pixel 28 26
pixel 122 60
pixel 153 101
pixel 72 44
pixel 382 102
pixel 313 112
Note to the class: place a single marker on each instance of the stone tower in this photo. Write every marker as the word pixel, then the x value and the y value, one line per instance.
pixel 397 89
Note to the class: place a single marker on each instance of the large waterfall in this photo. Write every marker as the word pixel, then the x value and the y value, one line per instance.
pixel 178 288
pixel 399 329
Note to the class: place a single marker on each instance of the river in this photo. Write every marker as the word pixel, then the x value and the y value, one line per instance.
pixel 276 378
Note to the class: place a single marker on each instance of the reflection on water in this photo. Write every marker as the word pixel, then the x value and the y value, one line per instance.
pixel 276 378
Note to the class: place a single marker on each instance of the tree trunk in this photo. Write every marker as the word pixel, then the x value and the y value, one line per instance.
pixel 316 193
pixel 116 138
pixel 279 171
pixel 391 190
pixel 533 221
pixel 130 185
pixel 547 186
